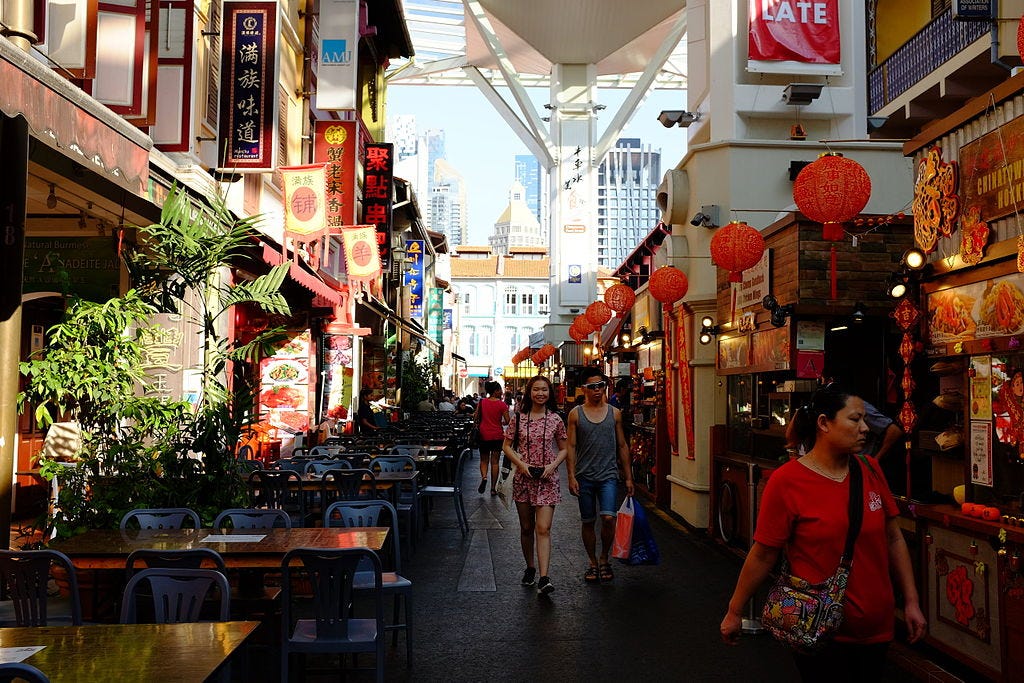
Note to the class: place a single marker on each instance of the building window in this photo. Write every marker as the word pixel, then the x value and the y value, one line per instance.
pixel 467 301
pixel 527 303
pixel 513 340
pixel 542 303
pixel 484 343
pixel 474 342
pixel 510 301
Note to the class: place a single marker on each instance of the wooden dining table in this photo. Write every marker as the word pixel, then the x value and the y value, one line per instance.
pixel 240 548
pixel 129 652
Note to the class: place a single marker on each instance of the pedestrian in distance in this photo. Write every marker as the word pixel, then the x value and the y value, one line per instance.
pixel 491 416
pixel 596 448
pixel 535 444
pixel 805 510
pixel 364 415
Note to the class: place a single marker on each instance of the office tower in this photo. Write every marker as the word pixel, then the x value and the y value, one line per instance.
pixel 448 203
pixel 626 209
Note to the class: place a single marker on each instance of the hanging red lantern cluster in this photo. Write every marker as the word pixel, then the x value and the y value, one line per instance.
pixel 736 247
pixel 598 313
pixel 521 355
pixel 543 353
pixel 575 333
pixel 668 285
pixel 620 298
pixel 831 191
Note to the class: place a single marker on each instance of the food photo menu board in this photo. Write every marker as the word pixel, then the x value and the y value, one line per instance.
pixel 284 388
pixel 980 310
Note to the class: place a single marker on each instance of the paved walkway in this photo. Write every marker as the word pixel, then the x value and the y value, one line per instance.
pixel 474 622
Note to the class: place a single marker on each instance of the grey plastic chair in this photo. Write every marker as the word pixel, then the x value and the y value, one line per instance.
pixel 454 491
pixel 318 467
pixel 279 490
pixel 160 518
pixel 252 518
pixel 333 628
pixel 20 671
pixel 178 594
pixel 380 513
pixel 26 575
pixel 194 558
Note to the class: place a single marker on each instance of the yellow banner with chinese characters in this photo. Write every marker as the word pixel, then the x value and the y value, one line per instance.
pixel 305 198
pixel 362 257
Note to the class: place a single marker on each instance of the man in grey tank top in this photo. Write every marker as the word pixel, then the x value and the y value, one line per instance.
pixel 595 440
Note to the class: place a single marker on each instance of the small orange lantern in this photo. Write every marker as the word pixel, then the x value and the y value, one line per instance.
pixel 620 298
pixel 736 247
pixel 598 313
pixel 668 285
pixel 832 190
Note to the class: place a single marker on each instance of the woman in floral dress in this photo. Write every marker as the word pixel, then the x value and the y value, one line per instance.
pixel 535 444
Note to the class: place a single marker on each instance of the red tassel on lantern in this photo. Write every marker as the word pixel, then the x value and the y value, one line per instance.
pixel 736 247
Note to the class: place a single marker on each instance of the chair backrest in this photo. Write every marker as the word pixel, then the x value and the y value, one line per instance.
pixel 331 573
pixel 245 466
pixel 362 513
pixel 410 450
pixel 194 558
pixel 275 489
pixel 294 464
pixel 245 453
pixel 318 467
pixel 460 465
pixel 20 671
pixel 349 484
pixel 160 518
pixel 178 594
pixel 26 573
pixel 324 451
pixel 393 463
pixel 252 518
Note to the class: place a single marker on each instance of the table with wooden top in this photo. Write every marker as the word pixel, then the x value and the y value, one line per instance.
pixel 108 549
pixel 130 652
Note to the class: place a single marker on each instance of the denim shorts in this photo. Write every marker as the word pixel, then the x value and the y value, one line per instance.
pixel 597 497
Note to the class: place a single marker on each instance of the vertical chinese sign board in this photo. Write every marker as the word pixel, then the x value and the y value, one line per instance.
pixel 248 86
pixel 378 178
pixel 412 276
pixel 335 143
pixel 435 315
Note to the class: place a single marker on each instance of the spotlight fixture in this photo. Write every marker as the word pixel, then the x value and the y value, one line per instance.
pixel 897 285
pixel 51 199
pixel 707 217
pixel 801 93
pixel 858 314
pixel 876 122
pixel 708 330
pixel 770 302
pixel 779 315
pixel 914 259
pixel 678 117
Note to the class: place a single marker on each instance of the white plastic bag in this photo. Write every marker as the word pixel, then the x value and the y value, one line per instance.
pixel 506 474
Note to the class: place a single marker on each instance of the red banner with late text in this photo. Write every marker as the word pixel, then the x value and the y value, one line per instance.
pixel 794 30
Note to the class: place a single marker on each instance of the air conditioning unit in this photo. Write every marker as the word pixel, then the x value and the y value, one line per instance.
pixel 543 311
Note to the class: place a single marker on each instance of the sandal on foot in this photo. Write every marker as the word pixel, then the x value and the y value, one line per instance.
pixel 590 576
pixel 482 487
pixel 606 572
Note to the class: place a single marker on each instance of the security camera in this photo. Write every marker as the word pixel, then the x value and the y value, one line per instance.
pixel 706 217
pixel 699 219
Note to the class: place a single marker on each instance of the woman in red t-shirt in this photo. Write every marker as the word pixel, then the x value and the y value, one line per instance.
pixel 491 418
pixel 805 510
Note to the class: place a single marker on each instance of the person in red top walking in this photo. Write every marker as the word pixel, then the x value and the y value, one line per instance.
pixel 491 418
pixel 805 511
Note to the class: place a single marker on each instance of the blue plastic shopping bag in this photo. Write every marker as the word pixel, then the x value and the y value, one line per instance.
pixel 643 549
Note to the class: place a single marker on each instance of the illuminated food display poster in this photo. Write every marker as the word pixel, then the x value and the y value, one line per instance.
pixel 284 386
pixel 992 308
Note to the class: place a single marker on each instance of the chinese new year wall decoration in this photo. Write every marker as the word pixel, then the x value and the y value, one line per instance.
pixel 936 206
pixel 831 191
pixel 974 234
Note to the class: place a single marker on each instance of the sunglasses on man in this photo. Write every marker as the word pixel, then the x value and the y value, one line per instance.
pixel 593 386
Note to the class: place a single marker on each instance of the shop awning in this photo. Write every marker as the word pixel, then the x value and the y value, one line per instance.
pixel 66 119
pixel 384 311
pixel 301 275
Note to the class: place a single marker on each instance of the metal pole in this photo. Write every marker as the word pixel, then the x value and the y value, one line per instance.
pixel 751 626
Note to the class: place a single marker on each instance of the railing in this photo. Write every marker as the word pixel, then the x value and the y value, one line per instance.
pixel 932 46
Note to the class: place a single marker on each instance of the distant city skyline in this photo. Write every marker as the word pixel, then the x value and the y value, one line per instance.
pixel 482 148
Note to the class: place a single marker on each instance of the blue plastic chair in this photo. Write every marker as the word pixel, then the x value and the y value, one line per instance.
pixel 160 518
pixel 453 491
pixel 318 467
pixel 26 574
pixel 252 518
pixel 333 627
pixel 348 514
pixel 178 594
pixel 279 490
pixel 20 671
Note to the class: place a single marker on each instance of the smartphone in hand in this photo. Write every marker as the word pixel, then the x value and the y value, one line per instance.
pixel 535 472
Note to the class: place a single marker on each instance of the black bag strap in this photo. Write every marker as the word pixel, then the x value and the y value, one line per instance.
pixel 515 439
pixel 856 509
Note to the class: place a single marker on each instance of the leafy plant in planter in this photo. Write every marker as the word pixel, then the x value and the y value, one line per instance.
pixel 147 451
pixel 419 377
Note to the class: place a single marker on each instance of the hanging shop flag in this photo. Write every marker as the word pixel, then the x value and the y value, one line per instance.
pixel 378 178
pixel 362 259
pixel 248 86
pixel 435 315
pixel 304 199
pixel 412 276
pixel 335 144
pixel 786 36
pixel 338 46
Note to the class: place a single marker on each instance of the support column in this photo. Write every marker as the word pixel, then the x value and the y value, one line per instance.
pixel 13 181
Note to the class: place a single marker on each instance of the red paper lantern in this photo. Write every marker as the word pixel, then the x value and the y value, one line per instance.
pixel 832 190
pixel 548 350
pixel 620 298
pixel 537 358
pixel 1020 37
pixel 736 247
pixel 583 325
pixel 668 285
pixel 598 313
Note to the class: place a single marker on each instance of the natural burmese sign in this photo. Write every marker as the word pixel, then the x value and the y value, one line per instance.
pixel 87 267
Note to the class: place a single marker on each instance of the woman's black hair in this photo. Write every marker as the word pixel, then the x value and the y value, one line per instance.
pixel 526 405
pixel 491 387
pixel 803 426
pixel 365 393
